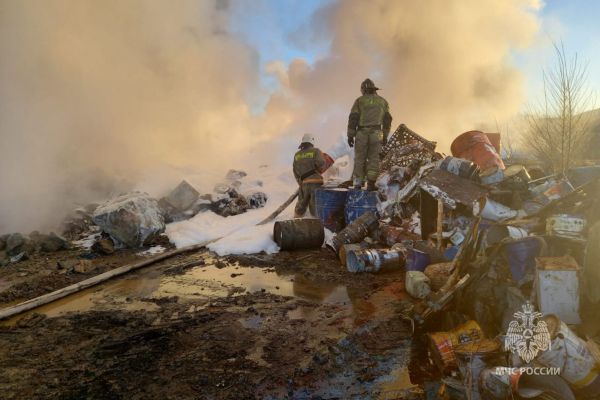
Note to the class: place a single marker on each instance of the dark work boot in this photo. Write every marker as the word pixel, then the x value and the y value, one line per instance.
pixel 371 186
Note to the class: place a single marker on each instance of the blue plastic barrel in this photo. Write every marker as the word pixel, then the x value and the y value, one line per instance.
pixel 451 252
pixel 359 202
pixel 417 260
pixel 329 206
pixel 521 256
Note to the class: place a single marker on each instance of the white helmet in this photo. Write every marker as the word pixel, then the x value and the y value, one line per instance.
pixel 308 138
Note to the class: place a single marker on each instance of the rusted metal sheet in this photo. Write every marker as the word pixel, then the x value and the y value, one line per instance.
pixel 452 189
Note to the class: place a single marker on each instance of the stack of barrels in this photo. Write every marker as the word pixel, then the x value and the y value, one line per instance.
pixel 350 213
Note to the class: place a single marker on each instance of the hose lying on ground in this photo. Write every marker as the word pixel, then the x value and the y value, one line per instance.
pixel 76 287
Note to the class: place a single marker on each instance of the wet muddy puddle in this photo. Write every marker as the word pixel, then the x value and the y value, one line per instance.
pixel 200 283
pixel 329 312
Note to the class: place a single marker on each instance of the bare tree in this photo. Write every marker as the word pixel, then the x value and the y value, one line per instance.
pixel 559 125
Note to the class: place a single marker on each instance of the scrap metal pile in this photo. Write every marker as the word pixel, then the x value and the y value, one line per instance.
pixel 503 266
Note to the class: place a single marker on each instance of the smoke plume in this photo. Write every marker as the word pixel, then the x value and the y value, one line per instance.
pixel 98 97
pixel 445 67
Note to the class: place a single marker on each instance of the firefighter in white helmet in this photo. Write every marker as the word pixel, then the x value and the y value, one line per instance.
pixel 309 163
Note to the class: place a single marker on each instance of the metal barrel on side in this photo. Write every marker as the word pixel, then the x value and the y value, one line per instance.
pixel 460 167
pixel 329 206
pixel 347 248
pixel 373 260
pixel 296 234
pixel 355 231
pixel 359 202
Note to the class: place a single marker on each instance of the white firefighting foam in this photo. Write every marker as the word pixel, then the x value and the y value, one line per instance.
pixel 240 233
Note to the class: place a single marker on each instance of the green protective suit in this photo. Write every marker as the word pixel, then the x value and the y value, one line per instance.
pixel 308 164
pixel 369 125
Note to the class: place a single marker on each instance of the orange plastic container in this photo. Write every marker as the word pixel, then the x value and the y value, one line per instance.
pixel 476 146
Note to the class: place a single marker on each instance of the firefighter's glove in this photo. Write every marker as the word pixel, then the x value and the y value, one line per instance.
pixel 350 141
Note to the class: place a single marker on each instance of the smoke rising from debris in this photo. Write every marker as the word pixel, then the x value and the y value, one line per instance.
pixel 97 97
pixel 443 66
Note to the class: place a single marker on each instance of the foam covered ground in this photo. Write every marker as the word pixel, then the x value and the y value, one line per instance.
pixel 239 233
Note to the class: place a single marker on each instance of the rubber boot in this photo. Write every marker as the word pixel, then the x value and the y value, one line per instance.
pixel 371 186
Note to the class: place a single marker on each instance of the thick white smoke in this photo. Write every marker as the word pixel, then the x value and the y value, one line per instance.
pixel 445 67
pixel 98 96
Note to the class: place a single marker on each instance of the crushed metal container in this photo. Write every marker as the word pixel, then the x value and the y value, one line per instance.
pixel 565 225
pixel 354 232
pixel 552 189
pixel 472 360
pixel 570 353
pixel 442 344
pixel 557 287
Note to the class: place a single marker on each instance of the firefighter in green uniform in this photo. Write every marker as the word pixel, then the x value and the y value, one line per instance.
pixel 368 128
pixel 308 165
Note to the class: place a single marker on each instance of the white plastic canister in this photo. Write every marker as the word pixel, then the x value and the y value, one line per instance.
pixel 570 353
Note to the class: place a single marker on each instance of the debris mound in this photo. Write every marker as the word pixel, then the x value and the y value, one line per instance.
pixel 132 220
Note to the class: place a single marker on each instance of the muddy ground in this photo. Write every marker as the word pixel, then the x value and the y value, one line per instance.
pixel 293 325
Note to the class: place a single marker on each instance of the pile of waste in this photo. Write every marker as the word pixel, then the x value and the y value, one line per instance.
pixel 505 261
pixel 16 247
pixel 135 220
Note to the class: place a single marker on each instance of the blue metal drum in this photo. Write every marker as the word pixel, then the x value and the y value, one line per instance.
pixel 359 202
pixel 329 206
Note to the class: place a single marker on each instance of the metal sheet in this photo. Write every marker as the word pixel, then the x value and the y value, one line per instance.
pixel 452 189
pixel 557 287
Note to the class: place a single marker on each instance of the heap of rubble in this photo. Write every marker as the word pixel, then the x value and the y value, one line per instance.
pixel 491 253
pixel 134 220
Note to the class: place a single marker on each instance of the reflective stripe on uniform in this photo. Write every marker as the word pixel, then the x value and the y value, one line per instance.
pixel 305 155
